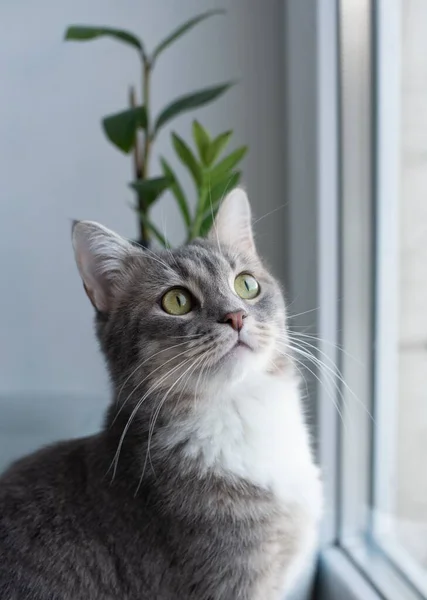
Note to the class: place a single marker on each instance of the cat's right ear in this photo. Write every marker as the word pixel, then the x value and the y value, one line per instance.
pixel 100 255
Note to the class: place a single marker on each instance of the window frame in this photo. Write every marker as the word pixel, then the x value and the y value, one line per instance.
pixel 347 78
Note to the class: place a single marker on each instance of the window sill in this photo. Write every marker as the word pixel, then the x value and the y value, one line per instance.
pixel 360 573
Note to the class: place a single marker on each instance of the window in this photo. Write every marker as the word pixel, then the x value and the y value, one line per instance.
pixel 375 449
pixel 400 507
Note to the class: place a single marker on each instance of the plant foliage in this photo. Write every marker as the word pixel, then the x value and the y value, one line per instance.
pixel 135 129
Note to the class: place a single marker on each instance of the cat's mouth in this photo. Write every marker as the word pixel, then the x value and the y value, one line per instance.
pixel 236 349
pixel 241 344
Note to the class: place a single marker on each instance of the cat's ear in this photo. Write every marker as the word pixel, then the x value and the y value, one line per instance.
pixel 100 256
pixel 232 223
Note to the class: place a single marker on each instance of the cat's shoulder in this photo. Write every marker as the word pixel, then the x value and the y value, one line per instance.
pixel 45 469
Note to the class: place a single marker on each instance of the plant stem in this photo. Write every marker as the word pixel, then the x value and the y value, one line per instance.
pixel 145 235
pixel 136 150
pixel 200 210
pixel 146 102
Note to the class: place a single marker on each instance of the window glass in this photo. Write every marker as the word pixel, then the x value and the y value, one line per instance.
pixel 400 518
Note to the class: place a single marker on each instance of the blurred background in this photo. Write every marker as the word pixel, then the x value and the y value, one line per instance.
pixel 320 110
pixel 58 165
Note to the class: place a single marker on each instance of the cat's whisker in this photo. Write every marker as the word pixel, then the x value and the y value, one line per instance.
pixel 271 361
pixel 155 386
pixel 207 357
pixel 158 409
pixel 331 344
pixel 335 373
pixel 156 256
pixel 334 370
pixel 212 212
pixel 289 305
pixel 185 383
pixel 304 379
pixel 138 385
pixel 318 364
pixel 317 338
pixel 306 312
pixel 330 381
pixel 206 371
pixel 191 335
pixel 143 363
pixel 315 350
pixel 213 219
pixel 281 207
pixel 148 253
pixel 331 395
pixel 186 351
pixel 165 236
pixel 206 361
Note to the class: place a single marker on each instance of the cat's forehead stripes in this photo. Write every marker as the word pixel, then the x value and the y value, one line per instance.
pixel 201 264
pixel 206 255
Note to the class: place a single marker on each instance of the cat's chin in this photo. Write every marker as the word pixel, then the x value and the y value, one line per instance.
pixel 239 350
pixel 237 363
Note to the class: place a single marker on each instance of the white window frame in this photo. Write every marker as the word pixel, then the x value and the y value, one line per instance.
pixel 389 58
pixel 342 105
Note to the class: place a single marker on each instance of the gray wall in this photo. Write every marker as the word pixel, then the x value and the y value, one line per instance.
pixel 56 165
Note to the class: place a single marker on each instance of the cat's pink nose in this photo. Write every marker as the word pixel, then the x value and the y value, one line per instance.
pixel 235 319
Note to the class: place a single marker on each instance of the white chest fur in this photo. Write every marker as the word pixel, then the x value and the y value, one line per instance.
pixel 254 429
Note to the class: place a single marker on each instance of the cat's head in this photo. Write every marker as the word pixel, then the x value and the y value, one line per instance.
pixel 201 315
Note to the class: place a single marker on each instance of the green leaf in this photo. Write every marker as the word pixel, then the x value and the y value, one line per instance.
pixel 83 33
pixel 151 227
pixel 202 140
pixel 206 224
pixel 224 185
pixel 189 102
pixel 217 146
pixel 215 197
pixel 177 191
pixel 188 159
pixel 150 189
pixel 177 33
pixel 121 127
pixel 227 164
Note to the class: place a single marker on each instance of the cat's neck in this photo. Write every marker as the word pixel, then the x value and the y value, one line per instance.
pixel 253 429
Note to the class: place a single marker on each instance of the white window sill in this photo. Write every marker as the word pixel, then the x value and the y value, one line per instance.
pixel 360 574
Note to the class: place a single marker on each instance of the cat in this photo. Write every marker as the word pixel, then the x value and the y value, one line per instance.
pixel 201 485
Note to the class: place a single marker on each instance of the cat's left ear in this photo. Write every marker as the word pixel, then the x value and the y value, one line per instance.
pixel 101 259
pixel 232 225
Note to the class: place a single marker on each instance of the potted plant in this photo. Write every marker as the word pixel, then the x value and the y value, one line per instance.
pixel 135 129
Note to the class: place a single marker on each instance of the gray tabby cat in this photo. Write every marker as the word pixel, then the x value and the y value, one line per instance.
pixel 201 485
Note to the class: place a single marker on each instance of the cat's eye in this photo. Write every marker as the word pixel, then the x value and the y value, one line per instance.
pixel 246 286
pixel 177 302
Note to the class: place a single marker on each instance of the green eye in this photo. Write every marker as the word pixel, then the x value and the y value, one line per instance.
pixel 246 286
pixel 177 302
